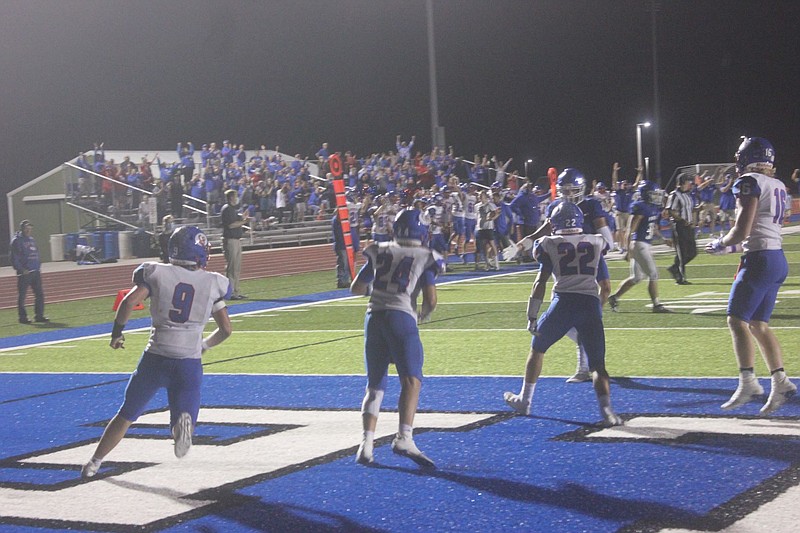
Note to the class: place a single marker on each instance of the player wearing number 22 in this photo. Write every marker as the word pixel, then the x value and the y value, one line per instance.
pixel 182 298
pixel 760 208
pixel 572 258
pixel 393 276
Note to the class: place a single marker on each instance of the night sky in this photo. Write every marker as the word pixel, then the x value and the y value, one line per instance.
pixel 562 82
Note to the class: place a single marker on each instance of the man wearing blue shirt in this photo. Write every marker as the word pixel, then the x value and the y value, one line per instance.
pixel 25 259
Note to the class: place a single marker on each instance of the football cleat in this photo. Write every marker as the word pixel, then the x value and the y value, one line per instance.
pixel 779 394
pixel 364 453
pixel 516 402
pixel 182 432
pixel 613 303
pixel 658 308
pixel 90 469
pixel 581 376
pixel 403 445
pixel 747 391
pixel 610 418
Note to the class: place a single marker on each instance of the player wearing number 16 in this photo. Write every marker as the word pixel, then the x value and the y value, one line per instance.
pixel 572 258
pixel 394 274
pixel 760 208
pixel 182 298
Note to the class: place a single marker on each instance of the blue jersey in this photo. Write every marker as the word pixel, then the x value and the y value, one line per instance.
pixel 622 200
pixel 647 228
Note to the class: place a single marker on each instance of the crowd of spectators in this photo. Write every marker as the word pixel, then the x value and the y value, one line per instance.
pixel 273 187
pixel 269 184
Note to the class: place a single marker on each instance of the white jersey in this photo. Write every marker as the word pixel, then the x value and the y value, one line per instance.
pixel 485 211
pixel 436 213
pixel 382 222
pixel 399 274
pixel 574 260
pixel 353 211
pixel 471 207
pixel 181 302
pixel 771 195
pixel 456 205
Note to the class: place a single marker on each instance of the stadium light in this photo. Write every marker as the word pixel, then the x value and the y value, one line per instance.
pixel 639 127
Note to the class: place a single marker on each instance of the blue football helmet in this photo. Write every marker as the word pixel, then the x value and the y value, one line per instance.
pixel 754 150
pixel 409 226
pixel 650 193
pixel 188 246
pixel 566 218
pixel 571 185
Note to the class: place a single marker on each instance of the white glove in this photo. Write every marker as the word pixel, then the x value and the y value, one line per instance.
pixel 510 252
pixel 716 247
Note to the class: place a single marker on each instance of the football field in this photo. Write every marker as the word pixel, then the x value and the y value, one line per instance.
pixel 280 419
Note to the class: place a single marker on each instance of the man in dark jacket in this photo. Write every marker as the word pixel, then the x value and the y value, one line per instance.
pixel 25 259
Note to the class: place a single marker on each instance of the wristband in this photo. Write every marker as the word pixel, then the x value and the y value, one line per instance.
pixel 205 346
pixel 533 308
pixel 116 331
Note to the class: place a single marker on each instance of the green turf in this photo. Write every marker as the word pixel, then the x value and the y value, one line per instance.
pixel 476 330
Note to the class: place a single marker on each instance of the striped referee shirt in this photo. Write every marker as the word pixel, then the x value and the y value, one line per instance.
pixel 681 204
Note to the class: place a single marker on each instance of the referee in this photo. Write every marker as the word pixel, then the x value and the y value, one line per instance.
pixel 681 205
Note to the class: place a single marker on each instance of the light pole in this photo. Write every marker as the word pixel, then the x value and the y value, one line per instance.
pixel 639 127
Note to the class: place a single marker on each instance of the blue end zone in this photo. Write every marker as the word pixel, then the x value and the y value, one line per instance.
pixel 541 473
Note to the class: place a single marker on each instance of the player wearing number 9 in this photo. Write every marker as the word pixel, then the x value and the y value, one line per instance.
pixel 572 258
pixel 394 274
pixel 182 298
pixel 761 204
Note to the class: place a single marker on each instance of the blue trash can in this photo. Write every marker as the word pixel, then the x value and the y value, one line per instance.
pixel 96 240
pixel 70 243
pixel 111 245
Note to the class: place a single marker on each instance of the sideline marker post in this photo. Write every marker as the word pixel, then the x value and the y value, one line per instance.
pixel 335 165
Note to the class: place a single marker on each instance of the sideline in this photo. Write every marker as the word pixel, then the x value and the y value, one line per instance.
pixel 44 338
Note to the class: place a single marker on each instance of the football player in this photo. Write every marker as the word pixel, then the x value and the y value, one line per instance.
pixel 573 258
pixel 183 296
pixel 436 212
pixel 381 220
pixel 571 186
pixel 457 202
pixel 394 274
pixel 471 217
pixel 760 208
pixel 643 227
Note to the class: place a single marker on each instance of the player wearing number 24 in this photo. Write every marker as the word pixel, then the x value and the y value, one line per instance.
pixel 394 274
pixel 182 298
